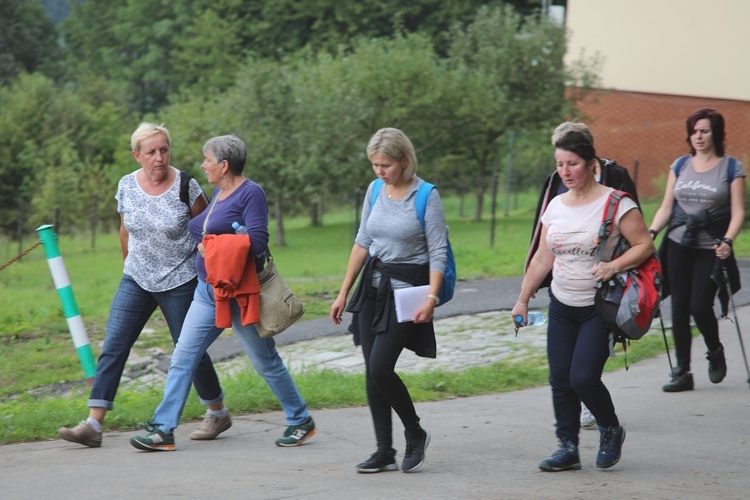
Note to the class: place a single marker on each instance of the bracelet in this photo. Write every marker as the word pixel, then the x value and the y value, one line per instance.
pixel 435 298
pixel 653 233
pixel 728 241
pixel 524 304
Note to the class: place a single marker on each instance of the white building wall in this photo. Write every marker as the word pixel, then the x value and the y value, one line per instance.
pixel 681 47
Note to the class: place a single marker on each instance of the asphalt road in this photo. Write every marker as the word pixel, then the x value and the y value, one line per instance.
pixel 692 445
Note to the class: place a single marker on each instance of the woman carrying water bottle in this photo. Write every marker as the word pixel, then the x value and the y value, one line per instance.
pixel 577 340
pixel 235 199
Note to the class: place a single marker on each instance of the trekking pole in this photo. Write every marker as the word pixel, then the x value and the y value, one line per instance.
pixel 725 274
pixel 666 343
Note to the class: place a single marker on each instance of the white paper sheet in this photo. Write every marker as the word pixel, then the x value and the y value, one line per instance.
pixel 408 300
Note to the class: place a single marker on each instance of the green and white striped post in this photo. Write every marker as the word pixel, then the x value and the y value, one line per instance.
pixel 75 323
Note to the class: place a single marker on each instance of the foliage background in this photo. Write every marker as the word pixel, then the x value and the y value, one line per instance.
pixel 304 83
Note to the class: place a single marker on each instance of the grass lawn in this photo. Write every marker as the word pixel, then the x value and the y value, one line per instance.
pixel 36 350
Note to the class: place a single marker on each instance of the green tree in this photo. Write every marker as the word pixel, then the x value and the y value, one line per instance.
pixel 512 79
pixel 57 132
pixel 28 40
pixel 151 49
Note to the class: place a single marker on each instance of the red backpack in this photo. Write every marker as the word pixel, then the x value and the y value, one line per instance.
pixel 629 301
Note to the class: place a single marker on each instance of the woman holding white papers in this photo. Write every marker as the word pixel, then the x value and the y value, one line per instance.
pixel 393 251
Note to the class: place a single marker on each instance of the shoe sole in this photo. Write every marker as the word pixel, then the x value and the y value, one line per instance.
pixel 298 443
pixel 151 447
pixel 426 444
pixel 681 389
pixel 73 439
pixel 385 468
pixel 547 468
pixel 607 466
pixel 209 437
pixel 588 423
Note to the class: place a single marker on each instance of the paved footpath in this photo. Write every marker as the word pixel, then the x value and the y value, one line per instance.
pixel 686 445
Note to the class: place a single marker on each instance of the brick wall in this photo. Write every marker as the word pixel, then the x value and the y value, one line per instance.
pixel 650 129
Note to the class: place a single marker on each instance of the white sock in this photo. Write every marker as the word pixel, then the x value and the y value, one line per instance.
pixel 95 424
pixel 218 413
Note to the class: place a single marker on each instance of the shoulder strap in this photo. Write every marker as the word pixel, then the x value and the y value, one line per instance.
pixel 679 164
pixel 185 188
pixel 610 209
pixel 375 191
pixel 731 169
pixel 420 203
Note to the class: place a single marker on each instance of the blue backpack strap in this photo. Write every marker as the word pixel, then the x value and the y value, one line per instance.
pixel 679 164
pixel 732 169
pixel 375 191
pixel 420 203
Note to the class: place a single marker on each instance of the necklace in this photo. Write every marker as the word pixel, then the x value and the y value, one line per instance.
pixel 398 191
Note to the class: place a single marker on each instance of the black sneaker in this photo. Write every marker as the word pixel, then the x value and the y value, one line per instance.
pixel 680 382
pixel 717 365
pixel 565 458
pixel 610 446
pixel 416 445
pixel 380 461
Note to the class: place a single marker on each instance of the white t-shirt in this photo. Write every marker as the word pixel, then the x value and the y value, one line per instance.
pixel 571 236
pixel 161 252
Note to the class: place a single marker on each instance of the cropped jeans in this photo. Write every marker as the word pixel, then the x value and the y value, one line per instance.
pixel 198 333
pixel 131 308
pixel 577 349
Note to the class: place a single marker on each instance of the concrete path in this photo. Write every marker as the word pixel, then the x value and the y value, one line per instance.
pixel 686 445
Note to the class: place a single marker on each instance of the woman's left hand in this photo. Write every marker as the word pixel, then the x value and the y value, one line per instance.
pixel 603 271
pixel 424 314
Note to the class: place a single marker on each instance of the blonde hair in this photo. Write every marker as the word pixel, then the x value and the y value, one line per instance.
pixel 146 130
pixel 395 145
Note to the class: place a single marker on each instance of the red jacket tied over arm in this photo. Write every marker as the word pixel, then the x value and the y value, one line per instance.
pixel 230 269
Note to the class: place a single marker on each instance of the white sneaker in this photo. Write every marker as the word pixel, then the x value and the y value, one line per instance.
pixel 587 419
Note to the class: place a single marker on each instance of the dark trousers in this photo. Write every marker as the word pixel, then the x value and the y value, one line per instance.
pixel 577 349
pixel 385 389
pixel 693 292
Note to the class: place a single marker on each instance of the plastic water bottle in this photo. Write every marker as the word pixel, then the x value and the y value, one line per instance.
pixel 534 318
pixel 239 228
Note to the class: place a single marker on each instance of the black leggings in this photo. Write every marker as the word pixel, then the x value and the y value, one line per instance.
pixel 693 292
pixel 385 389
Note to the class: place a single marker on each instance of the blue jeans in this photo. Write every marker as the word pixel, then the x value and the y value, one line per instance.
pixel 577 349
pixel 131 308
pixel 198 333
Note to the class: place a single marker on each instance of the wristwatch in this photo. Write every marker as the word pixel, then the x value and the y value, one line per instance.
pixel 435 298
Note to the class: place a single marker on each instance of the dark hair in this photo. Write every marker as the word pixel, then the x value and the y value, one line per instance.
pixel 577 143
pixel 717 128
